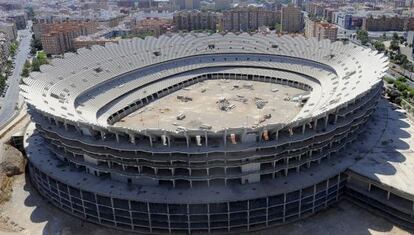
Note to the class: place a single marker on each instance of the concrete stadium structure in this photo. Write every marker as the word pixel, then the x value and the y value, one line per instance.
pixel 106 148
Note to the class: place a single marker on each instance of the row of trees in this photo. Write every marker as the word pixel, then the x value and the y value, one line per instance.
pixel 400 89
pixel 6 70
pixel 40 59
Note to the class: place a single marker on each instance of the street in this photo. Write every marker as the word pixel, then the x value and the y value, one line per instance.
pixel 11 99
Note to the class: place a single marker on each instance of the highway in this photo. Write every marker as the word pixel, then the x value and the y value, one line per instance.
pixel 11 99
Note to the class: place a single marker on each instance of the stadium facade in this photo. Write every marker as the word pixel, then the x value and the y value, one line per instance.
pixel 163 176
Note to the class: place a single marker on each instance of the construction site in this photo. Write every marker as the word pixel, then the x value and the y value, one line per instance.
pixel 217 104
pixel 218 134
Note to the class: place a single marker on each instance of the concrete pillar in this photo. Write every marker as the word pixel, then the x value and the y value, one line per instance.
pixel 388 195
pixel 369 187
pixel 284 207
pixel 225 138
pixel 315 124
pixel 206 138
pixel 150 140
pixel 277 135
pixel 336 118
pixel 102 135
pixel 117 137
pixel 303 128
pixel 66 126
pixel 132 138
pixel 337 186
pixel 187 139
pixel 300 202
pixel 326 121
pixel 313 200
pixel 326 197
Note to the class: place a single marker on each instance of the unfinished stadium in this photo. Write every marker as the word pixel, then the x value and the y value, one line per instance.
pixel 201 133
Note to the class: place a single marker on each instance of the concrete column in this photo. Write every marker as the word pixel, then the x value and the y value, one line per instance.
pixel 369 187
pixel 326 120
pixel 337 186
pixel 326 197
pixel 206 138
pixel 66 126
pixel 284 207
pixel 225 138
pixel 303 128
pixel 132 138
pixel 149 217
pixel 336 118
pixel 313 200
pixel 300 202
pixel 150 140
pixel 117 137
pixel 277 134
pixel 315 124
pixel 102 135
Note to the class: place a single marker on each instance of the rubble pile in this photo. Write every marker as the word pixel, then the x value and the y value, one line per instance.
pixel 240 98
pixel 184 98
pixel 260 103
pixel 225 105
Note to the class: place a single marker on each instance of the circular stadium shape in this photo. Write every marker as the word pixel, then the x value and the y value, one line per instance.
pixel 198 133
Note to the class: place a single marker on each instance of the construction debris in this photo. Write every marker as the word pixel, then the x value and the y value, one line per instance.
pixel 180 116
pixel 203 90
pixel 240 98
pixel 184 98
pixel 224 104
pixel 248 86
pixel 260 103
pixel 275 90
pixel 205 127
pixel 265 117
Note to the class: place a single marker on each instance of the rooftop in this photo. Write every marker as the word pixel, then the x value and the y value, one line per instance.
pixel 391 161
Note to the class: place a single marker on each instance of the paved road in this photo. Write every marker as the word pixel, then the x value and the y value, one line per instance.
pixel 9 102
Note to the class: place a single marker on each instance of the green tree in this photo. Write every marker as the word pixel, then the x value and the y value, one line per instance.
pixel 395 45
pixel 35 45
pixel 42 57
pixel 26 69
pixel 13 48
pixel 35 64
pixel 362 35
pixel 379 46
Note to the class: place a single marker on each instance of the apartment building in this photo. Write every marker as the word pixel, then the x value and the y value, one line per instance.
pixel 248 18
pixel 291 19
pixel 58 37
pixel 195 20
pixel 320 30
pixel 153 26
pixel 10 29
